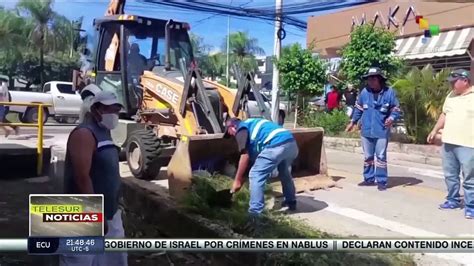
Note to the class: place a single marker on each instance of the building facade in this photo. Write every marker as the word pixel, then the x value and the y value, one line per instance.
pixel 452 47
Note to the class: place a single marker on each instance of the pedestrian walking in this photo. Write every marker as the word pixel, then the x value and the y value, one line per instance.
pixel 350 97
pixel 378 108
pixel 333 99
pixel 92 167
pixel 4 97
pixel 264 146
pixel 457 123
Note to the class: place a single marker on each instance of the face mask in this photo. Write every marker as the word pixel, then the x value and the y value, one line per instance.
pixel 109 121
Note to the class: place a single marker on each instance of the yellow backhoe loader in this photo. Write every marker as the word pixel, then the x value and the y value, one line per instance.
pixel 172 117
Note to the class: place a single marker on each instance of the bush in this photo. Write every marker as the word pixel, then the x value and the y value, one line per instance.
pixel 421 94
pixel 333 123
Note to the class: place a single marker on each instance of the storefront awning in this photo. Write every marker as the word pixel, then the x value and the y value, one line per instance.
pixel 448 43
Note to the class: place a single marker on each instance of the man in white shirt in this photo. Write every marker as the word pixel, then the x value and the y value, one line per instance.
pixel 457 122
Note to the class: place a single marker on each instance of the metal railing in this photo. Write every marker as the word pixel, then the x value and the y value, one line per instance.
pixel 39 125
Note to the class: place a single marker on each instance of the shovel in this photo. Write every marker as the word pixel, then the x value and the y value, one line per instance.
pixel 223 198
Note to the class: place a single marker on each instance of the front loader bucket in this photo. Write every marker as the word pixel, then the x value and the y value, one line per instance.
pixel 212 153
pixel 311 157
pixel 209 152
pixel 309 170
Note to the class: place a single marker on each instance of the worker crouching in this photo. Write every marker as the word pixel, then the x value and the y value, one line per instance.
pixel 265 146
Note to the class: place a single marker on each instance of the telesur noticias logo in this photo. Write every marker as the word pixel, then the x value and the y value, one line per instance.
pixel 60 213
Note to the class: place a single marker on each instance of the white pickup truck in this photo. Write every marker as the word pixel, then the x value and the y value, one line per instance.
pixel 65 102
pixel 255 112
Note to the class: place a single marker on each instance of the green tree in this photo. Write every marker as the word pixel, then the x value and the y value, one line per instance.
pixel 301 73
pixel 243 49
pixel 212 66
pixel 66 35
pixel 13 40
pixel 42 13
pixel 422 94
pixel 22 56
pixel 199 47
pixel 369 46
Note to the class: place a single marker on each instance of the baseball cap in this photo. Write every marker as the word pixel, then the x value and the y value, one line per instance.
pixel 106 98
pixel 234 121
pixel 374 71
pixel 458 74
pixel 90 89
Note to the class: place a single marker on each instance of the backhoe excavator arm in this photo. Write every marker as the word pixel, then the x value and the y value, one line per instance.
pixel 80 80
pixel 116 7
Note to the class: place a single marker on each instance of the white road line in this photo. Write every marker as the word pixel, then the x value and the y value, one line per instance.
pixel 380 222
pixel 463 258
pixel 426 172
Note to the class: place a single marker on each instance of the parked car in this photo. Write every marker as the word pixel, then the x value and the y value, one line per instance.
pixel 317 103
pixel 65 102
pixel 255 112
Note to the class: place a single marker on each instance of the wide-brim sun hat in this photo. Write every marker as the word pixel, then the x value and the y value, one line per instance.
pixel 374 71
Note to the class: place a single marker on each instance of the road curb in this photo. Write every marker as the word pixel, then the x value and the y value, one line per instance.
pixel 424 154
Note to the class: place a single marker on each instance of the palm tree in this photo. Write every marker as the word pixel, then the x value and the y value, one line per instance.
pixel 42 13
pixel 422 93
pixel 10 29
pixel 243 49
pixel 66 36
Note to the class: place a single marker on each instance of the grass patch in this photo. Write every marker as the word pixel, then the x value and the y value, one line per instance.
pixel 274 225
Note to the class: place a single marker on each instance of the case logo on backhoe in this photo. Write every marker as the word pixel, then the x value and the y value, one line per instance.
pixel 168 94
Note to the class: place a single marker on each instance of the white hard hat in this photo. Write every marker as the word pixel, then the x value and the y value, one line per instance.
pixel 90 89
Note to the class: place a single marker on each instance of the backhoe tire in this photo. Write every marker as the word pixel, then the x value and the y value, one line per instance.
pixel 143 150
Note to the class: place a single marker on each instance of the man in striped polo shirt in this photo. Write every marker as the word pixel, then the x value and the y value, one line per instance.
pixel 265 146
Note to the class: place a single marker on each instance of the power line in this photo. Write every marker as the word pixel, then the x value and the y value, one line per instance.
pixel 261 13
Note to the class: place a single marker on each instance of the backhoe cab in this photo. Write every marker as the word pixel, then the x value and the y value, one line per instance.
pixel 128 46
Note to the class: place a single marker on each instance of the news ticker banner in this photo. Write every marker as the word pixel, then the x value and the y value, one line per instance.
pixel 66 223
pixel 271 245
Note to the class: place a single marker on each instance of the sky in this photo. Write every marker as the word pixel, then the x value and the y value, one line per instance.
pixel 212 27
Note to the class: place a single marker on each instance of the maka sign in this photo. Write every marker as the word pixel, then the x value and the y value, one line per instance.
pixel 389 21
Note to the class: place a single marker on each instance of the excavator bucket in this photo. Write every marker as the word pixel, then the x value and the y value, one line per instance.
pixel 213 153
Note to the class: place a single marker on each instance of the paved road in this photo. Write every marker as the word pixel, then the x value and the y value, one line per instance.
pixel 407 209
pixel 50 128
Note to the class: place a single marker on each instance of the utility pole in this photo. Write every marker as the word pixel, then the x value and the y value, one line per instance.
pixel 276 52
pixel 72 39
pixel 228 49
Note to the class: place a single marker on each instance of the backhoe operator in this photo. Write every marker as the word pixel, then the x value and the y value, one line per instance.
pixel 137 63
